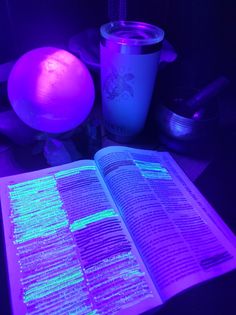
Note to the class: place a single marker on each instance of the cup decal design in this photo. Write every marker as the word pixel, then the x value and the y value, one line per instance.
pixel 119 84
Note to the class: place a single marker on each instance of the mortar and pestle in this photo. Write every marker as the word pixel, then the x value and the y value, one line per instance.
pixel 188 122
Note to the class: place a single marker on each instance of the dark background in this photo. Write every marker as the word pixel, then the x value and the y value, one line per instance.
pixel 203 33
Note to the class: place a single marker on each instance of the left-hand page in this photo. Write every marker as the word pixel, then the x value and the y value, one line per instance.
pixel 68 250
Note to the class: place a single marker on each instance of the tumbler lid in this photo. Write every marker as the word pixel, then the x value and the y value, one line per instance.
pixel 131 37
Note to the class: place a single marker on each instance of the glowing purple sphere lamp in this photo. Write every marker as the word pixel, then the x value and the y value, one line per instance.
pixel 51 90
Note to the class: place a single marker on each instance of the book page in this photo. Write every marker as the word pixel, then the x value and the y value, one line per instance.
pixel 68 250
pixel 180 237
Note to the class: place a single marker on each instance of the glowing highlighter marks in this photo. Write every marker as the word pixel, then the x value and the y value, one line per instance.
pixel 73 258
pixel 73 171
pixel 153 170
pixel 82 223
pixel 45 287
pixel 48 258
pixel 37 209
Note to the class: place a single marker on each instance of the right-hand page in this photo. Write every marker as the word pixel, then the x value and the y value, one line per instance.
pixel 180 237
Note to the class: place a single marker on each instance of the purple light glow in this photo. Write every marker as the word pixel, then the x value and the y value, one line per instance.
pixel 51 90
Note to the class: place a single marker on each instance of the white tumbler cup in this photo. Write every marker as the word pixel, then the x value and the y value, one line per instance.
pixel 129 56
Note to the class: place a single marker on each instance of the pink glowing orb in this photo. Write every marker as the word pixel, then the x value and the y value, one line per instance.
pixel 51 90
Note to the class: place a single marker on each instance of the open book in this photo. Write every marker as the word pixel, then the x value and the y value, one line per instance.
pixel 118 235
